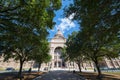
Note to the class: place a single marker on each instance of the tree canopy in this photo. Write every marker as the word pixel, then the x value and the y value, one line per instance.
pixel 33 16
pixel 23 26
pixel 42 54
pixel 100 26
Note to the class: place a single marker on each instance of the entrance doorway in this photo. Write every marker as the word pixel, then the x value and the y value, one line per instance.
pixel 63 64
pixel 59 64
pixel 58 60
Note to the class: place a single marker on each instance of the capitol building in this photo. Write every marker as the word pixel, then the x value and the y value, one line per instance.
pixel 57 62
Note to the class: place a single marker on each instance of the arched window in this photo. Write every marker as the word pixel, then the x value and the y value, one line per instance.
pixel 58 50
pixel 57 53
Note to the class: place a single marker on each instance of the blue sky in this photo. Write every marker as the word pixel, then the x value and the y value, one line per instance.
pixel 64 24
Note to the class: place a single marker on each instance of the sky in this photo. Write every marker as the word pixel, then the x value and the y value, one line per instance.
pixel 63 23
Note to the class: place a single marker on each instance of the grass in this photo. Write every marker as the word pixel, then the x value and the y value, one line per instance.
pixel 89 68
pixel 27 76
pixel 113 73
pixel 2 69
pixel 106 76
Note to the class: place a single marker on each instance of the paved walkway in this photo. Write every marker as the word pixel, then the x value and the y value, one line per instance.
pixel 60 75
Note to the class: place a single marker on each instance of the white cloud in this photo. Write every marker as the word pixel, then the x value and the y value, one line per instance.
pixel 66 23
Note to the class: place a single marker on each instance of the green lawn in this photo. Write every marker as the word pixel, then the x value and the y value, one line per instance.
pixel 115 73
pixel 106 75
pixel 2 69
pixel 89 68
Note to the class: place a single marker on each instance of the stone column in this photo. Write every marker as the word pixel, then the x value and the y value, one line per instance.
pixel 113 64
pixel 108 63
pixel 57 63
pixel 118 60
pixel 57 60
pixel 52 64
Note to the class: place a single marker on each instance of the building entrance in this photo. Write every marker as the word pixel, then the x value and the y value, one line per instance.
pixel 58 60
pixel 59 64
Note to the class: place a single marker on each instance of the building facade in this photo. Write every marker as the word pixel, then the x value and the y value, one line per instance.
pixel 57 62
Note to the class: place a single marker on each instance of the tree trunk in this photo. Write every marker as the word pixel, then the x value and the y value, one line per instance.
pixel 98 69
pixel 79 66
pixel 20 70
pixel 39 65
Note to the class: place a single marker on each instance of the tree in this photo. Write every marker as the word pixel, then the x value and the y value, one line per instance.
pixel 45 58
pixel 97 46
pixel 23 26
pixel 23 46
pixel 35 15
pixel 74 50
pixel 42 56
pixel 91 13
pixel 100 24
